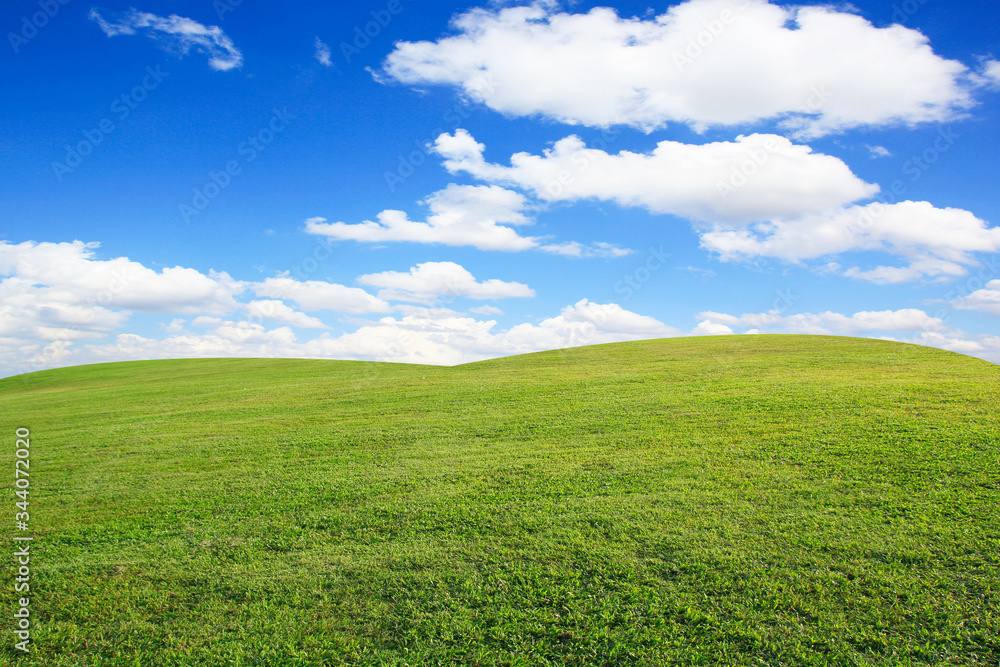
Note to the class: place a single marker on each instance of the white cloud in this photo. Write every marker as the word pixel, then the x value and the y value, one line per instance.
pixel 322 53
pixel 312 295
pixel 864 323
pixel 704 273
pixel 460 215
pixel 986 299
pixel 53 295
pixel 430 336
pixel 486 310
pixel 229 339
pixel 610 318
pixel 432 313
pixel 991 73
pixel 69 269
pixel 176 34
pixel 29 313
pixel 710 328
pixel 702 62
pixel 461 339
pixel 936 243
pixel 984 346
pixel 429 282
pixel 576 249
pixel 757 177
pixel 762 196
pixel 176 326
pixel 278 311
pixel 908 326
pixel 878 151
pixel 442 336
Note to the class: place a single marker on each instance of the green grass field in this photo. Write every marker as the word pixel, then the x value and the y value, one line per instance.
pixel 738 500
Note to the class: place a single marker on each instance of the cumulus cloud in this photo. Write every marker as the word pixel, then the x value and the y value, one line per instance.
pixel 983 346
pixel 756 177
pixel 816 69
pixel 987 299
pixel 430 336
pixel 278 311
pixel 759 196
pixel 312 295
pixel 936 243
pixel 908 326
pixel 54 295
pixel 30 313
pixel 430 282
pixel 228 339
pixel 828 323
pixel 175 34
pixel 70 271
pixel 460 215
pixel 462 339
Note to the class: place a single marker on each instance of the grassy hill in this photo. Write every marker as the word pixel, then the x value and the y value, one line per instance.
pixel 751 500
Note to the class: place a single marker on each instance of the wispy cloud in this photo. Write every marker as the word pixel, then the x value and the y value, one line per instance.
pixel 322 53
pixel 878 151
pixel 175 34
pixel 704 273
pixel 991 73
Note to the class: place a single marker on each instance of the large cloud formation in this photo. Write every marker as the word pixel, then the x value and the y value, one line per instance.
pixel 815 69
pixel 756 177
pixel 760 196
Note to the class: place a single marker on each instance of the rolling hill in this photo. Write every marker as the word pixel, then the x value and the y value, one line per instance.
pixel 751 500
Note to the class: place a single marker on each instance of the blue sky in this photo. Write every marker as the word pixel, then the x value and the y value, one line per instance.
pixel 446 182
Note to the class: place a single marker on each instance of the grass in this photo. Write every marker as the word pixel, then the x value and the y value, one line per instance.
pixel 739 500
